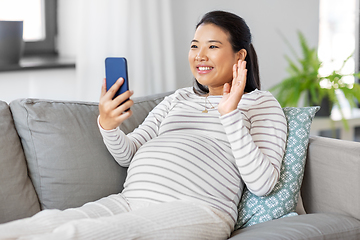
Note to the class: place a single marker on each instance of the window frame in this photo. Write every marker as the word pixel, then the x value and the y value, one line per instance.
pixel 46 46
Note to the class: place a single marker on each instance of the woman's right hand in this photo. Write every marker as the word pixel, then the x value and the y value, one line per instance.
pixel 112 114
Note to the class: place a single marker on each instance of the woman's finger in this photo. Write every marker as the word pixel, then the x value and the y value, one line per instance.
pixel 243 81
pixel 242 72
pixel 103 88
pixel 123 107
pixel 226 89
pixel 124 116
pixel 235 74
pixel 114 88
pixel 241 67
pixel 122 98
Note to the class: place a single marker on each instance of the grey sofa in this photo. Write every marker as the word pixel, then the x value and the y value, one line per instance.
pixel 52 156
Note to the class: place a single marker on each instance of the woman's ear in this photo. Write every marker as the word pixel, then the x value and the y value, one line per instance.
pixel 241 55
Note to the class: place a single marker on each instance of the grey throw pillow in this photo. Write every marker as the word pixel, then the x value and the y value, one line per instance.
pixel 67 159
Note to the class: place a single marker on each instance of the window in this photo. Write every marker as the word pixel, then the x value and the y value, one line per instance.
pixel 337 36
pixel 337 41
pixel 40 26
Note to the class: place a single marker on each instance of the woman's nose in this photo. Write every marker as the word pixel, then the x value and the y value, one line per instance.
pixel 201 56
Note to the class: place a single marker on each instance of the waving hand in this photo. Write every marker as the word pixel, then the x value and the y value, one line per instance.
pixel 232 94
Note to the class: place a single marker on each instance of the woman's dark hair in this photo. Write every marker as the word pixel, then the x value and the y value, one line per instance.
pixel 240 38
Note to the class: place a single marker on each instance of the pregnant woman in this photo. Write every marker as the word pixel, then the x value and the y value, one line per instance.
pixel 191 158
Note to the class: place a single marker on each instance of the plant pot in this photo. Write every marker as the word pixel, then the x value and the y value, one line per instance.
pixel 11 42
pixel 325 108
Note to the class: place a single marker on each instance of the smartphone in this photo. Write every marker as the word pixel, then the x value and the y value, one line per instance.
pixel 115 68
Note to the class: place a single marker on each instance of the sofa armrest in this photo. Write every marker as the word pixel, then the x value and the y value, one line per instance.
pixel 332 177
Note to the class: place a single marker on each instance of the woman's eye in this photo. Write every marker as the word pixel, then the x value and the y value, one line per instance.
pixel 213 46
pixel 193 46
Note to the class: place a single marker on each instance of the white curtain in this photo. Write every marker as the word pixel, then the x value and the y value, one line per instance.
pixel 140 30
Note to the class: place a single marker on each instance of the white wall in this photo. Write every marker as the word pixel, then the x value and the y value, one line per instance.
pixel 265 18
pixel 68 25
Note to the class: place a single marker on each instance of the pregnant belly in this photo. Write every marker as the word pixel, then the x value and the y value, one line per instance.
pixel 182 166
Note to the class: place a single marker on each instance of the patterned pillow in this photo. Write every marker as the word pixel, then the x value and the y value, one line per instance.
pixel 282 200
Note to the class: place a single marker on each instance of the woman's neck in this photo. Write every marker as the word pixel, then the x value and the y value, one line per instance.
pixel 216 91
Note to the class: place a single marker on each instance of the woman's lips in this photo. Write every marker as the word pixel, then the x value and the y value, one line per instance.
pixel 204 69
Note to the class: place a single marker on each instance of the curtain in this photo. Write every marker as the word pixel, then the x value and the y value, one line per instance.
pixel 139 30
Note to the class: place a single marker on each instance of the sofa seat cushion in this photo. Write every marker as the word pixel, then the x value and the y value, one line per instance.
pixel 17 194
pixel 310 226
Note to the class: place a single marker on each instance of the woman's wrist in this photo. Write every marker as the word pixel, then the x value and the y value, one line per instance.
pixel 104 126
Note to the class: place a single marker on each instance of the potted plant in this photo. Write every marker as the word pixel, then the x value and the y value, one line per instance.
pixel 307 85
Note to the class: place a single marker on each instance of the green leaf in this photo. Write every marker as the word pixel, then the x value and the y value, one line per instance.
pixel 304 80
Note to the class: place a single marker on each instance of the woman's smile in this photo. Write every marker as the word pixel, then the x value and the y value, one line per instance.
pixel 204 69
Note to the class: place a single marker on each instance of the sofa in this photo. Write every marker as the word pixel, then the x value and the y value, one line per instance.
pixel 52 156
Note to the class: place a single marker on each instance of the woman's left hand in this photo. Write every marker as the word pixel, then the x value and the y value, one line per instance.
pixel 232 94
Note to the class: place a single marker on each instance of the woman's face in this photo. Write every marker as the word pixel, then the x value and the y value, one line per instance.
pixel 211 57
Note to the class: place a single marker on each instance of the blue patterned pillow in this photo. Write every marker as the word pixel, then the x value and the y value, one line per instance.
pixel 282 200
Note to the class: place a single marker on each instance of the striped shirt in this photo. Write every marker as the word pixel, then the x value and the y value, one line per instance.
pixel 181 153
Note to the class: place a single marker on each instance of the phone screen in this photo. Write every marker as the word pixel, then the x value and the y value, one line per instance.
pixel 115 68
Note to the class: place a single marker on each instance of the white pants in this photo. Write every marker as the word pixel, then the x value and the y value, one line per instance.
pixel 115 218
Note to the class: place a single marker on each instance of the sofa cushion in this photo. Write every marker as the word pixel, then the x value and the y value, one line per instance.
pixel 332 177
pixel 17 194
pixel 68 161
pixel 283 199
pixel 318 226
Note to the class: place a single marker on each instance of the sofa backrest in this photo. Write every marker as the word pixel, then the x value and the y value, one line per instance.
pixel 68 162
pixel 17 195
pixel 332 176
